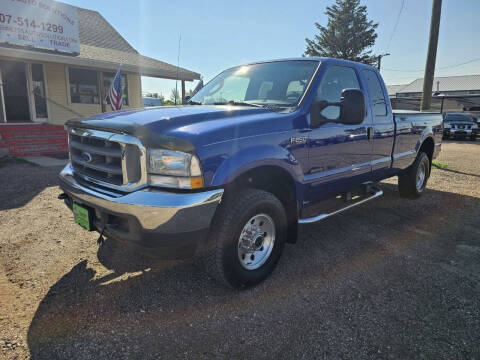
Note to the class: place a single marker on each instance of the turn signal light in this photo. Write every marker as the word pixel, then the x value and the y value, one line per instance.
pixel 196 182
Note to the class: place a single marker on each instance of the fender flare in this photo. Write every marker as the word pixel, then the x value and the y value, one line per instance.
pixel 426 133
pixel 256 156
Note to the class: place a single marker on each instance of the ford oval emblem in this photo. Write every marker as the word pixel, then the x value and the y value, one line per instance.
pixel 86 157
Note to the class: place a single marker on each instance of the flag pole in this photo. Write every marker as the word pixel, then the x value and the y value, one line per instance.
pixel 178 65
pixel 111 84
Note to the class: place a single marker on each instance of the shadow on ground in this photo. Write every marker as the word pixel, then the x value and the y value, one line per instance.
pixel 21 182
pixel 458 172
pixel 460 140
pixel 391 279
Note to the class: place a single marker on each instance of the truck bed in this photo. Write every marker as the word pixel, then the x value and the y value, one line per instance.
pixel 411 127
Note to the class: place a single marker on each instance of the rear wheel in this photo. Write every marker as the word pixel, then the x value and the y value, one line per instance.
pixel 412 181
pixel 246 238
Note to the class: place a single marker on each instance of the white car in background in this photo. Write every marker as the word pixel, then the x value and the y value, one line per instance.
pixel 151 102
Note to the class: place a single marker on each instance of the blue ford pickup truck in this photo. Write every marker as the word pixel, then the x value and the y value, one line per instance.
pixel 259 151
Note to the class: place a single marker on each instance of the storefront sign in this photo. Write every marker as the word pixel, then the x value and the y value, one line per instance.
pixel 39 23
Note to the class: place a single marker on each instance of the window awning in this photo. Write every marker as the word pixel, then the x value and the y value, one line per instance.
pixel 106 59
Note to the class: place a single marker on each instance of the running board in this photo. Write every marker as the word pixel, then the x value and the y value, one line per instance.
pixel 324 216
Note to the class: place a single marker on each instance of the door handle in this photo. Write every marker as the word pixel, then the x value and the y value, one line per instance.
pixel 369 133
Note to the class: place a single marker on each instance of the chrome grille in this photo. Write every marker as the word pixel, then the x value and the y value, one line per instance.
pixel 114 160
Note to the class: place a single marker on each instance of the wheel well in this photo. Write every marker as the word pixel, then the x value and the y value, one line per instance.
pixel 427 147
pixel 276 181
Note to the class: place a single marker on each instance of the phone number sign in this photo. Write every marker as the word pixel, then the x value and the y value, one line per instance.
pixel 44 24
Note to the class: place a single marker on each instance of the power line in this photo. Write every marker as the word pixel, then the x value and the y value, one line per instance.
pixel 451 66
pixel 395 26
pixel 438 68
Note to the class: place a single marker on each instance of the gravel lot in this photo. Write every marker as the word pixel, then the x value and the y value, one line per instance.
pixel 393 279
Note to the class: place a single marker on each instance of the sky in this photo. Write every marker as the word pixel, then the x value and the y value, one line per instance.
pixel 218 34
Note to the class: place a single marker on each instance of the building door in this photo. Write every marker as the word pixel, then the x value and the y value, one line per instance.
pixel 15 91
pixel 38 91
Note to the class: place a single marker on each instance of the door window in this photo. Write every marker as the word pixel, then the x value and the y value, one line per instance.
pixel 335 80
pixel 376 93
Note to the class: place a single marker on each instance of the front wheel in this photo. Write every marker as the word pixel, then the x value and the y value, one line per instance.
pixel 412 181
pixel 246 238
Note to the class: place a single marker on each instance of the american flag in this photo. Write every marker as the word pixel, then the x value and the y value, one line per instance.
pixel 116 100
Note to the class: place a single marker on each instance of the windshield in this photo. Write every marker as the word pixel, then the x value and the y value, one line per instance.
pixel 458 117
pixel 280 83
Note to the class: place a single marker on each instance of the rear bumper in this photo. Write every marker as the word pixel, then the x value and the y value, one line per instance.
pixel 169 225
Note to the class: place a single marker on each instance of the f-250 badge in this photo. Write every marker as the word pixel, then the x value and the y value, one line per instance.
pixel 298 140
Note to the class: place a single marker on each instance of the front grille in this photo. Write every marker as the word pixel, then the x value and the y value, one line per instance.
pixel 109 158
pixel 461 126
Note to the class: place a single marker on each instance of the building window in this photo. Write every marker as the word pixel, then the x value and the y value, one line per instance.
pixel 83 86
pixel 107 81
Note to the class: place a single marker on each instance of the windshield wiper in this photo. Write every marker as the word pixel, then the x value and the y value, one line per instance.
pixel 190 102
pixel 237 103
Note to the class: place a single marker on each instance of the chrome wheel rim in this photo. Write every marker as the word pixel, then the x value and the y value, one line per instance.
pixel 256 241
pixel 421 173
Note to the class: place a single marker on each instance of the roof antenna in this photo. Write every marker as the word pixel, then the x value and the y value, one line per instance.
pixel 178 65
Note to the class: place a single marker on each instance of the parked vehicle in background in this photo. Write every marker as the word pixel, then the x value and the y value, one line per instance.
pixel 460 125
pixel 260 150
pixel 151 102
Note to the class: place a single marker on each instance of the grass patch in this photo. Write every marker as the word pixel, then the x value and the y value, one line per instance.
pixel 9 160
pixel 439 165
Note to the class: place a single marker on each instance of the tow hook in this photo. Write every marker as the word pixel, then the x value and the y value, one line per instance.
pixel 65 199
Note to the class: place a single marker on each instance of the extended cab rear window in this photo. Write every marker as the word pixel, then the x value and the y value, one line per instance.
pixel 376 93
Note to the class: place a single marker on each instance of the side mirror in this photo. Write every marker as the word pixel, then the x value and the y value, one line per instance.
pixel 352 107
pixel 187 99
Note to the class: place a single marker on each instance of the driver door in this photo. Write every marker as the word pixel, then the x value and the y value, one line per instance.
pixel 339 154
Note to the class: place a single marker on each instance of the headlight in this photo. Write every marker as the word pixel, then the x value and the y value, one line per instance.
pixel 168 168
pixel 446 126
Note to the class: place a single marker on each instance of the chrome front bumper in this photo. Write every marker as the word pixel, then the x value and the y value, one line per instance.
pixel 150 218
pixel 466 132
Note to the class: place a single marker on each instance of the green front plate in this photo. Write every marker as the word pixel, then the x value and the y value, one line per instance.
pixel 81 217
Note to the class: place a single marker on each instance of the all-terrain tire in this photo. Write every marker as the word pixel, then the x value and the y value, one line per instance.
pixel 409 184
pixel 221 259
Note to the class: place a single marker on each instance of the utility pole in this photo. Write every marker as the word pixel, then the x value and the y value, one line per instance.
pixel 431 56
pixel 379 59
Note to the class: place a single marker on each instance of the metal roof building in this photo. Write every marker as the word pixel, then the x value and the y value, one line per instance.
pixel 462 85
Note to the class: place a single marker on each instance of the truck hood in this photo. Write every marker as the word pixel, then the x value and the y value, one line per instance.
pixel 178 126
